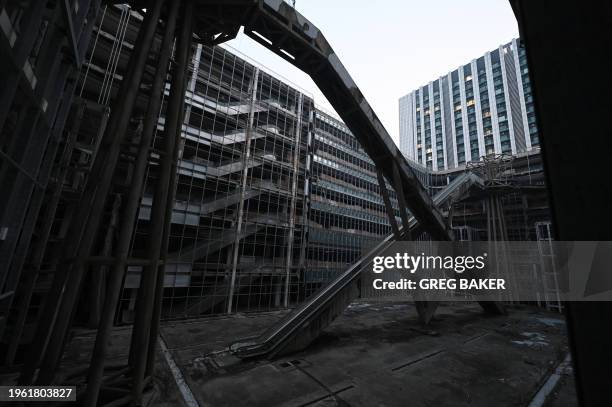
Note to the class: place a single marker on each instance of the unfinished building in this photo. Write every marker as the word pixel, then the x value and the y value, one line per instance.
pixel 191 182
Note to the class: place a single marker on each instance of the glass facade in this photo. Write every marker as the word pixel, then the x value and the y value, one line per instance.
pixel 531 120
pixel 347 216
pixel 491 112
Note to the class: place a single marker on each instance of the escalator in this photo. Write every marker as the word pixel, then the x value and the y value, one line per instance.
pixel 304 324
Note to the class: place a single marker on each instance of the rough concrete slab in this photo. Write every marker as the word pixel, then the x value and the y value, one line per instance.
pixel 162 392
pixel 378 354
pixel 192 338
pixel 565 393
pixel 375 354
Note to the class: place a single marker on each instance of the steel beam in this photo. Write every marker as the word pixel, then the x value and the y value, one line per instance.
pixel 401 200
pixel 164 186
pixel 246 154
pixel 130 213
pixel 292 205
pixel 385 196
pixel 83 228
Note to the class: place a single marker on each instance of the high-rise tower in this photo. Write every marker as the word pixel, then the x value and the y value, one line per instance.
pixel 481 108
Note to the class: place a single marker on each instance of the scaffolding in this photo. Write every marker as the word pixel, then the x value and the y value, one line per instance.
pixel 237 224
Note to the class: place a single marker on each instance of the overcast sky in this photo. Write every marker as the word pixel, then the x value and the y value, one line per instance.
pixel 391 47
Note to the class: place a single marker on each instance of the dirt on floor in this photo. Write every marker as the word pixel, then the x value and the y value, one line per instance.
pixel 377 354
pixel 374 354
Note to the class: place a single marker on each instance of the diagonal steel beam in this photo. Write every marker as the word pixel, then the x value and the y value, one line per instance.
pixel 401 200
pixel 279 27
pixel 385 195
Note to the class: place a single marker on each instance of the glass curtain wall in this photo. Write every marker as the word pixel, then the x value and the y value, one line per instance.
pixel 347 215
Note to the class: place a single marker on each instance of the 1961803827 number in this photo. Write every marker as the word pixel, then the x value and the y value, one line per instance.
pixel 32 393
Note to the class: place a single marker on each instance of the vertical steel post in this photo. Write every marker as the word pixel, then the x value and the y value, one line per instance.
pixel 97 282
pixel 245 172
pixel 159 219
pixel 159 283
pixel 96 370
pixel 425 309
pixel 83 229
pixel 307 188
pixel 294 181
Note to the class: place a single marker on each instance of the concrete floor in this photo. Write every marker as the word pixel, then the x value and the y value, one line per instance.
pixel 564 394
pixel 375 354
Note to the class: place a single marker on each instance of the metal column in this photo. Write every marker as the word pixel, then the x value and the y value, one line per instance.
pixel 385 196
pixel 159 218
pixel 83 228
pixel 294 181
pixel 130 212
pixel 245 172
